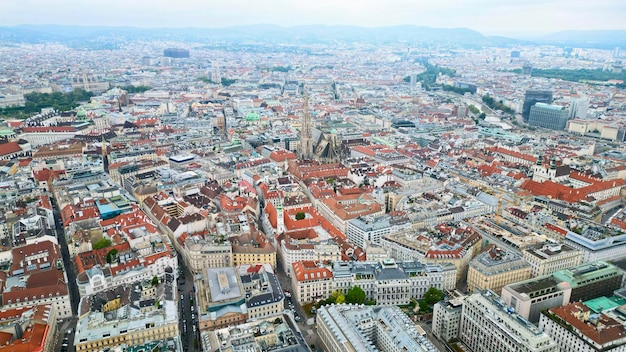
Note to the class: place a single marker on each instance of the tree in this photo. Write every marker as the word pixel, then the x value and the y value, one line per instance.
pixel 300 215
pixel 482 116
pixel 111 255
pixel 474 109
pixel 102 243
pixel 355 295
pixel 433 295
pixel 227 82
pixel 155 281
pixel 423 306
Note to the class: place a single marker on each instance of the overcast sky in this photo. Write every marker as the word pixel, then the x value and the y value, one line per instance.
pixel 485 16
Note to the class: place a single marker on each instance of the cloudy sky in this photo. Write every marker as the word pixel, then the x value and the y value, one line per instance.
pixel 486 16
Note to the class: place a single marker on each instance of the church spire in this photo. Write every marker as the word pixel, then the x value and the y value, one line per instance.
pixel 306 132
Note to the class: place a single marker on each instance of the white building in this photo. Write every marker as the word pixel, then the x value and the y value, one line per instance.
pixel 551 257
pixel 488 324
pixel 447 318
pixel 372 229
pixel 346 328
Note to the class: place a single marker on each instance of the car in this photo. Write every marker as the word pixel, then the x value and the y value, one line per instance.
pixel 182 296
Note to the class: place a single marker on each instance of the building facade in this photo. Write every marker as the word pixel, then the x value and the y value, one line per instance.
pixel 575 329
pixel 345 328
pixel 533 97
pixel 488 324
pixel 551 257
pixel 494 268
pixel 553 117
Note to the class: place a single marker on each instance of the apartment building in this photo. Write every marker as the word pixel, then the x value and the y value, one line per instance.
pixel 575 328
pixel 128 315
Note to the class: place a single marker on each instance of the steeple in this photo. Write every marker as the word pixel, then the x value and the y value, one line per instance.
pixel 306 132
pixel 105 155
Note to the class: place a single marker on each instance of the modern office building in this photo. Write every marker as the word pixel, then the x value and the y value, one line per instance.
pixel 553 117
pixel 176 53
pixel 575 328
pixel 488 324
pixel 528 298
pixel 591 280
pixel 533 97
pixel 494 268
pixel 346 328
pixel 581 283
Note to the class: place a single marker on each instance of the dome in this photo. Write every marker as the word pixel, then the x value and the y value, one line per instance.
pixel 252 116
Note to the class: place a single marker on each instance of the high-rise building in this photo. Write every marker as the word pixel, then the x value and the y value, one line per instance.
pixel 533 97
pixel 489 325
pixel 216 75
pixel 553 117
pixel 578 108
pixel 176 53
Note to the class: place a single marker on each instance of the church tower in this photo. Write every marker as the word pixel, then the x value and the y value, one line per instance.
pixel 105 155
pixel 306 132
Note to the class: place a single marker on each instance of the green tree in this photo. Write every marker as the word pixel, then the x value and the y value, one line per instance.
pixel 155 281
pixel 473 109
pixel 433 295
pixel 136 89
pixel 355 295
pixel 102 243
pixel 423 306
pixel 111 255
pixel 300 215
pixel 227 82
pixel 482 116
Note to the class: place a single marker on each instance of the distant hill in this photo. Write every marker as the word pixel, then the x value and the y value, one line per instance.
pixel 107 37
pixel 602 39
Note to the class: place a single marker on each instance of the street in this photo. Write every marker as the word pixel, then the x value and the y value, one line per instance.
pixel 308 331
pixel 185 290
pixel 429 334
pixel 71 283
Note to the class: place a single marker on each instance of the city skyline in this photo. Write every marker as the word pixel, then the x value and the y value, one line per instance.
pixel 486 16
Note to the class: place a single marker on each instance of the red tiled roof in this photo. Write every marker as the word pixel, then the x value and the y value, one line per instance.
pixel 9 148
pixel 309 271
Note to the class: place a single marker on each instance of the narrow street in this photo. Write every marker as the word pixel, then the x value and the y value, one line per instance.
pixel 308 331
pixel 71 284
pixel 189 331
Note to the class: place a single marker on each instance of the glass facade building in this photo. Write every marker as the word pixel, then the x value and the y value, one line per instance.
pixel 549 116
